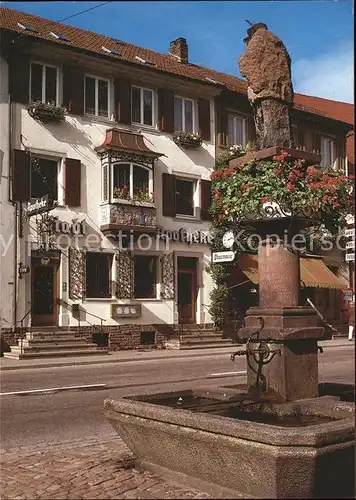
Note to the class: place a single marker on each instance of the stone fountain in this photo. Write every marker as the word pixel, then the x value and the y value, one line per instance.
pixel 282 435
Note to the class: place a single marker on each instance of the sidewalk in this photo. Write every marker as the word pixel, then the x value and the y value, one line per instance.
pixel 139 355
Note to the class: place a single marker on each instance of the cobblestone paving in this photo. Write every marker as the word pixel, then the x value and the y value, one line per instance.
pixel 80 470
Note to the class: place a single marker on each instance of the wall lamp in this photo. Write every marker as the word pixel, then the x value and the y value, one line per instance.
pixel 22 269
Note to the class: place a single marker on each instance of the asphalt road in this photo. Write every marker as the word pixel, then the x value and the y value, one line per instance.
pixel 42 419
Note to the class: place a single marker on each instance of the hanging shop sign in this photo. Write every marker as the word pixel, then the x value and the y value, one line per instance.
pixel 186 236
pixel 350 257
pixel 39 205
pixel 223 256
pixel 65 227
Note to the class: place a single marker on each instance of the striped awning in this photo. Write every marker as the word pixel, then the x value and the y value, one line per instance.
pixel 313 272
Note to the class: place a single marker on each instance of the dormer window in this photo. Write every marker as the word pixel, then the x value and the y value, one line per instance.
pixel 44 85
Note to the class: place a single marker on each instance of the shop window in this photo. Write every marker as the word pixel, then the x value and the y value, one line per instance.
pixel 184 197
pixel 44 178
pixel 44 84
pixel 98 275
pixel 145 277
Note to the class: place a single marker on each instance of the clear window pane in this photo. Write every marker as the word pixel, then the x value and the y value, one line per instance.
pixel 89 95
pixel 103 97
pixel 178 126
pixel 140 181
pixel 121 181
pixel 147 107
pixel 44 178
pixel 51 85
pixel 184 197
pixel 145 276
pixel 239 130
pixel 231 130
pixel 135 105
pixel 36 82
pixel 188 116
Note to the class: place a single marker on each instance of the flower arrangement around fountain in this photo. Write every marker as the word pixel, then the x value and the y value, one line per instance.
pixel 47 112
pixel 187 139
pixel 139 195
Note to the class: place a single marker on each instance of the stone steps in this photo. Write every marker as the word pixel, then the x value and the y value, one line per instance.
pixel 196 337
pixel 216 345
pixel 52 342
pixel 55 353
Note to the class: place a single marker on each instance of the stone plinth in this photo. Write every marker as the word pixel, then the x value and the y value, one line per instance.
pixel 268 153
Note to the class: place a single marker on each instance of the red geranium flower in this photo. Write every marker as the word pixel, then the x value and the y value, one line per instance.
pixel 290 186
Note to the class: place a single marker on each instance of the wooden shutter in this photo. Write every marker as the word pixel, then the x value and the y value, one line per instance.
pixel 123 101
pixel 21 175
pixel 316 143
pixel 168 195
pixel 72 182
pixel 76 273
pixel 73 89
pixel 205 199
pixel 222 124
pixel 166 110
pixel 204 119
pixel 250 130
pixel 124 274
pixel 19 78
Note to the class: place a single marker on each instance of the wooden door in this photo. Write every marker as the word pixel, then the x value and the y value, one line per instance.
pixel 45 293
pixel 187 295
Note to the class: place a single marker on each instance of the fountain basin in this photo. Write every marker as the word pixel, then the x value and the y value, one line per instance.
pixel 211 439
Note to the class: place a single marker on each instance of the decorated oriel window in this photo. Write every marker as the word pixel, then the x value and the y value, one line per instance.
pixel 132 182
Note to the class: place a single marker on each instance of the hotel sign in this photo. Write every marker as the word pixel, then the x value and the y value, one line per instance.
pixel 39 205
pixel 186 236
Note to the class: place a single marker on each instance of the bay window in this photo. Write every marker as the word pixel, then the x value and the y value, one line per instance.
pixel 132 182
pixel 97 96
pixel 236 130
pixel 184 114
pixel 44 84
pixel 142 106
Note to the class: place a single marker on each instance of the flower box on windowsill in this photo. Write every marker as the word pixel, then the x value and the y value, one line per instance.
pixel 125 201
pixel 47 113
pixel 187 139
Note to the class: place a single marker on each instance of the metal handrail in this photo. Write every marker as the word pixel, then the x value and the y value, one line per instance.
pixel 21 327
pixel 90 314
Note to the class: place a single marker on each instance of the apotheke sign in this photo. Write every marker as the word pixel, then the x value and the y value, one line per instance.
pixel 39 205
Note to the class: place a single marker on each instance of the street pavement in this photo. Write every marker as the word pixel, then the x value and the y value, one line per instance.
pixel 57 444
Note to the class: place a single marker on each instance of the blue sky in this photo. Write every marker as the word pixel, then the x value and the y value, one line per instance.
pixel 317 33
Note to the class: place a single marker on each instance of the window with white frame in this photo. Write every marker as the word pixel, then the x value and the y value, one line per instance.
pixel 184 114
pixel 328 152
pixel 145 277
pixel 132 182
pixel 142 106
pixel 44 86
pixel 185 195
pixel 236 130
pixel 97 96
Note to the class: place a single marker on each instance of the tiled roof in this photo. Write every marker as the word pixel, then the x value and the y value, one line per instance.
pixel 90 41
pixel 342 111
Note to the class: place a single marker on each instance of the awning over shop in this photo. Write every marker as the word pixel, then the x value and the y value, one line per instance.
pixel 313 272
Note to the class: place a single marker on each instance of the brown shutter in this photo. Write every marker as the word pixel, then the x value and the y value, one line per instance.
pixel 250 130
pixel 21 175
pixel 72 182
pixel 204 119
pixel 19 78
pixel 73 89
pixel 340 146
pixel 123 101
pixel 205 199
pixel 222 124
pixel 166 110
pixel 168 195
pixel 316 143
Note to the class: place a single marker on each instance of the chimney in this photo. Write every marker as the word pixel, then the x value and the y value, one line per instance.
pixel 179 49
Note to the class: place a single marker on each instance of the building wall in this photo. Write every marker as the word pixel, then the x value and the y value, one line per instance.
pixel 76 138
